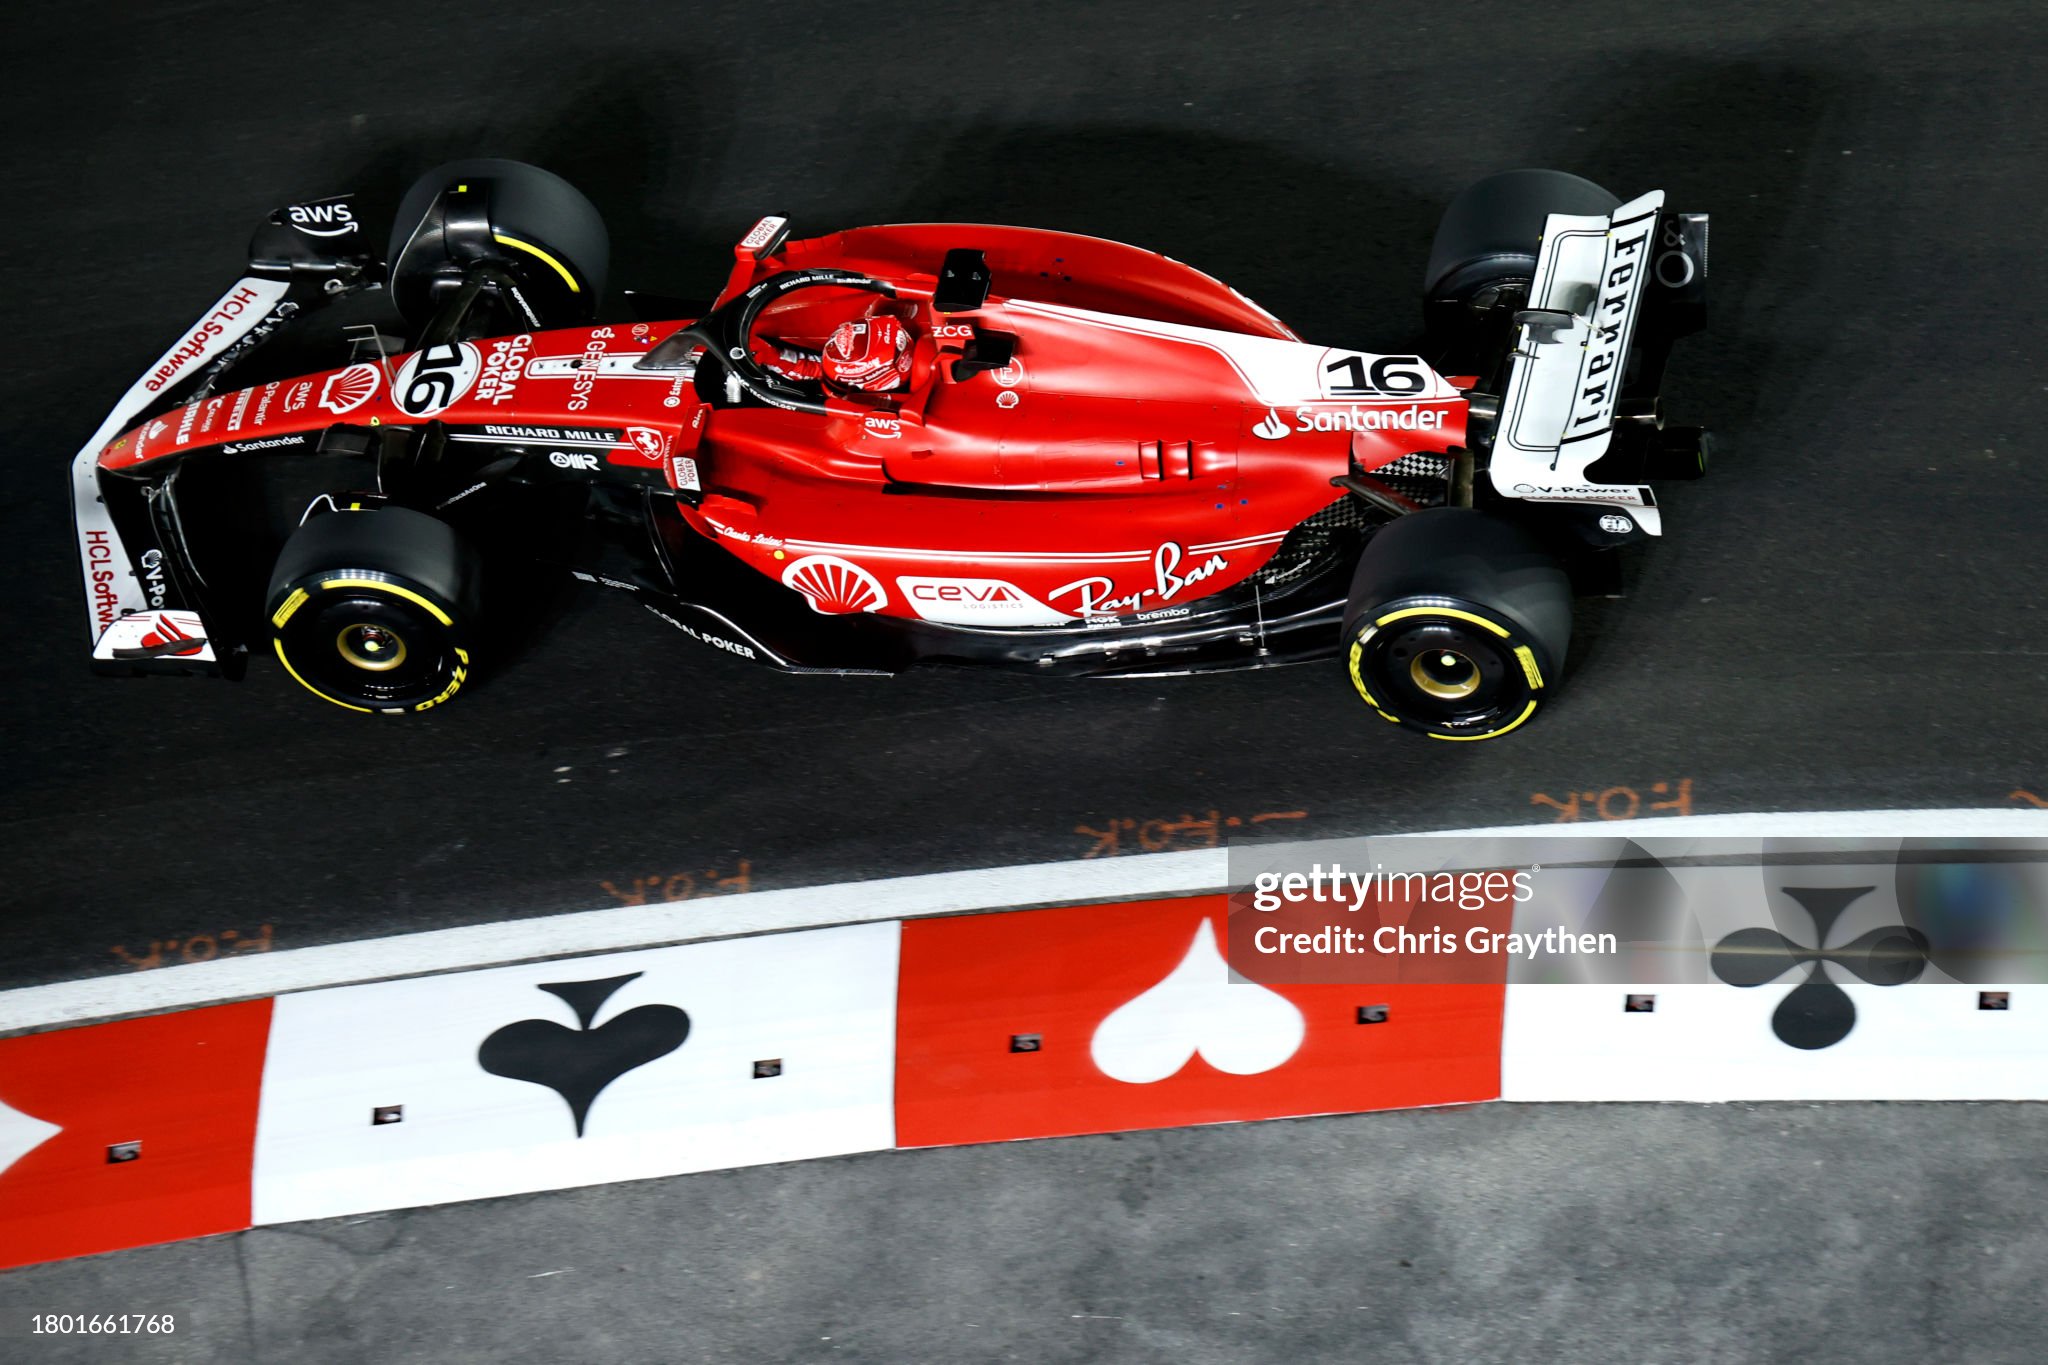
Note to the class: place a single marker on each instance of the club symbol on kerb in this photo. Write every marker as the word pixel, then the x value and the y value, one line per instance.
pixel 1240 1028
pixel 1817 1013
pixel 578 1063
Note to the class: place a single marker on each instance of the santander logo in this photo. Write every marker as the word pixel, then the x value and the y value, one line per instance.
pixel 1270 427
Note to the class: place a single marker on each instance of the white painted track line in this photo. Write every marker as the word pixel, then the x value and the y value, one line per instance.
pixel 939 893
pixel 611 930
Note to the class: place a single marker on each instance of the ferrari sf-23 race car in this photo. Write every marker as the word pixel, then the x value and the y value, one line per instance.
pixel 891 446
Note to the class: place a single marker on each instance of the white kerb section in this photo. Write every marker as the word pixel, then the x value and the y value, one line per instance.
pixel 701 1057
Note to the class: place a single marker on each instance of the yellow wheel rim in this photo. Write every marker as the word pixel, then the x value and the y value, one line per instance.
pixel 372 648
pixel 1444 674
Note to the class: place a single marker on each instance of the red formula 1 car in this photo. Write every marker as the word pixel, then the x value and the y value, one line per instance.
pixel 892 446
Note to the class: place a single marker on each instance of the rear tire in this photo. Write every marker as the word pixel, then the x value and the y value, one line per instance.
pixel 1487 240
pixel 1457 624
pixel 375 610
pixel 542 230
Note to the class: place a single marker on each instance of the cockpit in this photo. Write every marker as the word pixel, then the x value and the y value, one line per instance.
pixel 824 340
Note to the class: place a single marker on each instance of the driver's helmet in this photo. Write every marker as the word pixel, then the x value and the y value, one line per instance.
pixel 871 354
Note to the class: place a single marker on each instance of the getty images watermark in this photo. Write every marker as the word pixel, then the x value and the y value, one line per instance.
pixel 1370 896
pixel 1602 908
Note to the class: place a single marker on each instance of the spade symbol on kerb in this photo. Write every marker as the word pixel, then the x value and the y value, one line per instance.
pixel 1242 1028
pixel 578 1063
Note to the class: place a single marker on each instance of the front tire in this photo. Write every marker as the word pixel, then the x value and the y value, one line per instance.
pixel 375 610
pixel 536 225
pixel 1457 624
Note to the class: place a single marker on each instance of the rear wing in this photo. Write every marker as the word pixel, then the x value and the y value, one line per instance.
pixel 1610 296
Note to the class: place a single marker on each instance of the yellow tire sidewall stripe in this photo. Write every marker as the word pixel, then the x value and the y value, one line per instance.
pixel 1473 617
pixel 530 249
pixel 382 585
pixel 1523 654
pixel 300 596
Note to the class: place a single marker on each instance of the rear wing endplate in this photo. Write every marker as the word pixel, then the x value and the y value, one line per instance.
pixel 1609 296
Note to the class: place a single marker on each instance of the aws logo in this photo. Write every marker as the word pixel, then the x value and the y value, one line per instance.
pixel 322 220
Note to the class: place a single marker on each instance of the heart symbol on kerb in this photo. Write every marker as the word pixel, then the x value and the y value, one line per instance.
pixel 1240 1028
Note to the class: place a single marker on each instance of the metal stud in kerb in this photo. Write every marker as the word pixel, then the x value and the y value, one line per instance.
pixel 1639 1004
pixel 119 1152
pixel 387 1113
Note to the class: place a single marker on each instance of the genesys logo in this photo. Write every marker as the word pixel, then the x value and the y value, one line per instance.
pixel 976 601
pixel 331 219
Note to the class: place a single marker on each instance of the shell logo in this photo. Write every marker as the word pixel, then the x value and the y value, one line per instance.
pixel 834 586
pixel 349 390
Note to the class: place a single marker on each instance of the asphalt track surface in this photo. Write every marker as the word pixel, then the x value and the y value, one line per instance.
pixel 1847 614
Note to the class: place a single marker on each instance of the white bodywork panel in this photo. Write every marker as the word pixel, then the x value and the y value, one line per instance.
pixel 1557 416
pixel 112 589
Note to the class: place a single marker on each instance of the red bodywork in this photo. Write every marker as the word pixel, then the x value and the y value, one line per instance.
pixel 1153 440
